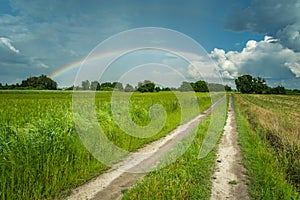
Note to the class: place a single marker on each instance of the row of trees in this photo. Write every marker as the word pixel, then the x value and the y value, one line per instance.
pixel 244 84
pixel 202 86
pixel 39 83
pixel 95 85
pixel 148 86
pixel 249 85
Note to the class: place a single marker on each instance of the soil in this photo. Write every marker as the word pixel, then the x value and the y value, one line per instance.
pixel 228 181
pixel 123 175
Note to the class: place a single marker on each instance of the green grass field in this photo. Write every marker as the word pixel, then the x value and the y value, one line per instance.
pixel 42 156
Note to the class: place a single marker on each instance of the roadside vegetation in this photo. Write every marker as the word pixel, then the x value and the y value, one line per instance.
pixel 41 155
pixel 269 137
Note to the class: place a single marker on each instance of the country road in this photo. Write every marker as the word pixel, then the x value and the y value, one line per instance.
pixel 228 181
pixel 120 177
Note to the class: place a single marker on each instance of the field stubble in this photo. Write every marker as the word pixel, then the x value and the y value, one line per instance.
pixel 276 120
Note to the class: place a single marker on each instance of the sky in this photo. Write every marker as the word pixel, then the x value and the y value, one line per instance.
pixel 53 37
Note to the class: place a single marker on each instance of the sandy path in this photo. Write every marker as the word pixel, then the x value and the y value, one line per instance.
pixel 110 184
pixel 229 179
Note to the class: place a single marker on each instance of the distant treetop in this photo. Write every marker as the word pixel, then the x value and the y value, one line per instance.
pixel 249 85
pixel 37 83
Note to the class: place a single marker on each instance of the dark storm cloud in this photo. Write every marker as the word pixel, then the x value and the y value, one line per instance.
pixel 277 18
pixel 51 34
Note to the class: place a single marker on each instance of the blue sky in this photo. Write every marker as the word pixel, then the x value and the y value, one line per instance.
pixel 258 37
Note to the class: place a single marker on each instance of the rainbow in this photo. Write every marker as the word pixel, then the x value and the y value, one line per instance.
pixel 78 63
pixel 93 57
pixel 66 68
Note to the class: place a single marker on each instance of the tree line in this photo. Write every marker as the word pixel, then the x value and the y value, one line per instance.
pixel 149 86
pixel 33 83
pixel 244 84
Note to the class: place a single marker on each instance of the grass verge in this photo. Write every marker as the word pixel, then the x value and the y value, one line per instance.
pixel 267 179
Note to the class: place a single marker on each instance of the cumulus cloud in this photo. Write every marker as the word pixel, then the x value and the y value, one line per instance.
pixel 7 43
pixel 267 58
pixel 294 67
pixel 278 18
pixel 205 70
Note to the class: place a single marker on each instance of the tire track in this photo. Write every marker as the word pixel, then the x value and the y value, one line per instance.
pixel 228 181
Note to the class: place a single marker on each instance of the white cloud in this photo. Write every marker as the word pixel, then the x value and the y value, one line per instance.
pixel 7 43
pixel 294 67
pixel 35 62
pixel 205 70
pixel 266 58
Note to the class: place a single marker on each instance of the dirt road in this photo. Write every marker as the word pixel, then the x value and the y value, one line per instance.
pixel 229 179
pixel 110 184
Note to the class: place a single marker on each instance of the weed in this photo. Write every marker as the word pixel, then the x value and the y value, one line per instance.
pixel 232 182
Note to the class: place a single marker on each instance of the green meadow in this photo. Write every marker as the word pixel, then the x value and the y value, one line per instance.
pixel 42 155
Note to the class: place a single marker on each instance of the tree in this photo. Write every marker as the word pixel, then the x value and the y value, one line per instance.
pixel 98 86
pixel 167 89
pixel 278 90
pixel 244 84
pixel 157 89
pixel 107 86
pixel 200 86
pixel 260 86
pixel 128 88
pixel 85 85
pixel 70 88
pixel 146 86
pixel 250 85
pixel 47 83
pixel 117 86
pixel 185 87
pixel 227 88
pixel 94 85
pixel 42 82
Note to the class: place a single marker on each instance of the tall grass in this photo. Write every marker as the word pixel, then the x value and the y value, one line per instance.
pixel 272 167
pixel 41 155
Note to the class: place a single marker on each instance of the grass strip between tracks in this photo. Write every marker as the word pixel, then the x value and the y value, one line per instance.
pixel 189 176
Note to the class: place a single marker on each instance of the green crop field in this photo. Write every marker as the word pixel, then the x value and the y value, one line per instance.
pixel 42 156
pixel 269 135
